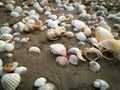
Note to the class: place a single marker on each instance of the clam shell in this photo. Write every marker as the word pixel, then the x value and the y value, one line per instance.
pixel 103 34
pixel 5 30
pixel 81 36
pixel 6 37
pixel 19 27
pixel 62 60
pixel 73 59
pixel 34 49
pixel 18 9
pixel 2 44
pixel 1 63
pixel 20 70
pixel 69 34
pixel 40 82
pixel 14 14
pixel 47 86
pixel 9 7
pixel 58 49
pixel 52 24
pixel 10 67
pixel 92 40
pixel 92 54
pixel 10 81
pixel 9 47
pixel 94 66
pixel 87 31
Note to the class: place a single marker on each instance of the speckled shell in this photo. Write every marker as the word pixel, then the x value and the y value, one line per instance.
pixel 10 81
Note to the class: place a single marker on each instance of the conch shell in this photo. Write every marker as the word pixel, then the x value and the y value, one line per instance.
pixel 92 54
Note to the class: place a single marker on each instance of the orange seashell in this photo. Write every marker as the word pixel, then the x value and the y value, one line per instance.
pixel 38 25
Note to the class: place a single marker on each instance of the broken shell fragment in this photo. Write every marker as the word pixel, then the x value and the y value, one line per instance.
pixel 58 49
pixel 92 54
pixel 10 81
pixel 62 60
pixel 10 67
pixel 94 66
pixel 34 49
pixel 40 82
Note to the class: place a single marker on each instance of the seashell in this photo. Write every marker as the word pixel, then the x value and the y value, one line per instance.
pixel 73 59
pixel 69 7
pixel 92 40
pixel 38 24
pixel 44 3
pixel 40 9
pixel 60 30
pixel 1 62
pixel 14 14
pixel 108 54
pixel 47 13
pixel 103 34
pixel 2 44
pixel 76 51
pixel 34 17
pixel 99 83
pixel 51 35
pixel 87 31
pixel 53 17
pixel 6 37
pixel 78 24
pixel 62 60
pixel 28 27
pixel 9 55
pixel 110 44
pixel 20 70
pixel 10 81
pixel 40 82
pixel 58 1
pixel 81 36
pixel 1 4
pixel 34 49
pixel 9 7
pixel 47 86
pixel 5 30
pixel 9 47
pixel 94 66
pixel 117 26
pixel 16 39
pixel 24 40
pixel 92 54
pixel 61 19
pixel 52 24
pixel 10 67
pixel 63 24
pixel 58 49
pixel 69 19
pixel 69 34
pixel 18 9
pixel 48 8
pixel 43 28
pixel 31 12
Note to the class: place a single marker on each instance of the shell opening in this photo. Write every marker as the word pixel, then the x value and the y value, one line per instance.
pixel 92 55
pixel 108 55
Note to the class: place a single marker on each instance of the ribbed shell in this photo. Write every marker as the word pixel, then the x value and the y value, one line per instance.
pixel 10 81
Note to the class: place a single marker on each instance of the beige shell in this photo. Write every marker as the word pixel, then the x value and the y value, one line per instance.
pixel 6 37
pixel 87 31
pixel 10 81
pixel 103 34
pixel 47 86
pixel 92 54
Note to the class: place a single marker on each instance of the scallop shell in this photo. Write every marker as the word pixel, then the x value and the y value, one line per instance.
pixel 9 47
pixel 103 34
pixel 10 81
pixel 92 54
pixel 6 37
pixel 94 66
pixel 10 67
pixel 81 36
pixel 47 86
pixel 5 30
pixel 20 70
pixel 99 83
pixel 40 82
pixel 73 59
pixel 34 49
pixel 62 60
pixel 111 44
pixel 2 44
pixel 58 49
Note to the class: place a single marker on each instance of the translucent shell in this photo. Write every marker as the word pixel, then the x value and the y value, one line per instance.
pixel 10 81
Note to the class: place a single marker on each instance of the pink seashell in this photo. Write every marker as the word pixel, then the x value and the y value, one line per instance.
pixel 58 49
pixel 73 59
pixel 62 60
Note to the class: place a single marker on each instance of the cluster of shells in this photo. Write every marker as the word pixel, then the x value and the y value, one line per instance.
pixel 91 27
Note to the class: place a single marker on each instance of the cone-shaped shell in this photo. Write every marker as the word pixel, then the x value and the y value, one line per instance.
pixel 111 44
pixel 103 34
pixel 58 49
pixel 62 60
pixel 10 81
pixel 92 54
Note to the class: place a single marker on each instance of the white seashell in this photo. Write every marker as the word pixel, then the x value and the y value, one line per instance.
pixel 63 24
pixel 58 1
pixel 81 36
pixel 87 31
pixel 62 60
pixel 35 17
pixel 16 39
pixel 61 18
pixel 73 59
pixel 99 83
pixel 9 47
pixel 1 4
pixel 18 9
pixel 92 54
pixel 103 34
pixel 53 17
pixel 10 81
pixel 5 30
pixel 40 82
pixel 78 24
pixel 14 14
pixel 47 13
pixel 58 49
pixel 69 34
pixel 94 66
pixel 44 3
pixel 2 44
pixel 6 37
pixel 40 9
pixel 2 71
pixel 34 49
pixel 69 7
pixel 1 62
pixel 9 55
pixel 92 40
pixel 9 7
pixel 31 12
pixel 24 40
pixel 20 70
pixel 52 24
pixel 47 86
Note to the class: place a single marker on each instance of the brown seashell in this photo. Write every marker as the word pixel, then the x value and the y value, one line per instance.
pixel 10 67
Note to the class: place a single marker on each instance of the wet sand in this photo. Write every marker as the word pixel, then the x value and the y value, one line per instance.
pixel 68 77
